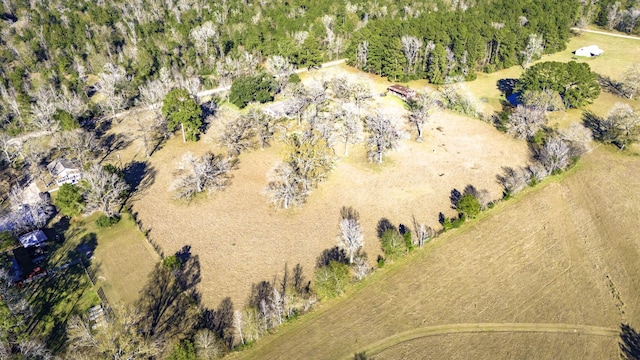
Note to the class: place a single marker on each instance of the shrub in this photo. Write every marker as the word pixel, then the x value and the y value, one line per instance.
pixel 105 221
pixel 70 200
pixel 171 262
pixel 452 223
pixel 7 241
pixel 468 206
pixel 393 244
pixel 331 279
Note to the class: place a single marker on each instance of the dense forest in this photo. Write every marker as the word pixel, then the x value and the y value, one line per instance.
pixel 56 56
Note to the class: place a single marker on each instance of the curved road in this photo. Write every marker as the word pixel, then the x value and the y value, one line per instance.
pixel 418 333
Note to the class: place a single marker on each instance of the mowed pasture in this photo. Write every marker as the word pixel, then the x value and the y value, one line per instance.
pixel 550 274
pixel 241 239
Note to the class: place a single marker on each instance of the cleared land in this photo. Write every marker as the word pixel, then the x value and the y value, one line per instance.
pixel 241 239
pixel 119 255
pixel 565 254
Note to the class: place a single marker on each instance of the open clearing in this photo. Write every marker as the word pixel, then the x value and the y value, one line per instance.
pixel 565 254
pixel 241 239
pixel 119 255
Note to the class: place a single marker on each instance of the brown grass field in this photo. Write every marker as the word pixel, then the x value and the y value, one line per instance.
pixel 561 257
pixel 241 239
pixel 548 275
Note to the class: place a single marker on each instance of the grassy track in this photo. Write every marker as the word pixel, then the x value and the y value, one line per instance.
pixel 378 347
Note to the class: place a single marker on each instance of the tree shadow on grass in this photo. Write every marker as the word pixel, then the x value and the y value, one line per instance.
pixel 629 343
pixel 611 86
pixel 114 142
pixel 140 176
pixel 169 301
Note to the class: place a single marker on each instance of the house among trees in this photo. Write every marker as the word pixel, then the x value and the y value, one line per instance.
pixel 276 110
pixel 589 51
pixel 34 238
pixel 64 172
pixel 401 91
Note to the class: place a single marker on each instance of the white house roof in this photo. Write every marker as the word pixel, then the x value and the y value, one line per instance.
pixel 58 166
pixel 33 238
pixel 591 50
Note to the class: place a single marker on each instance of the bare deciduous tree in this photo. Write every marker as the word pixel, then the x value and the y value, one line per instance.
pixel 554 155
pixel 201 36
pixel 631 81
pixel 298 102
pixel 361 93
pixel 362 55
pixel 526 121
pixel 350 130
pixel 73 103
pixel 238 135
pixel 151 96
pixel 285 187
pixel 411 46
pixel 421 107
pixel 383 136
pixel 280 68
pixel 43 109
pixel 361 268
pixel 535 47
pixel 10 149
pixel 104 190
pixel 208 172
pixel 620 127
pixel 547 100
pixel 78 144
pixel 208 346
pixel 119 338
pixel 351 237
pixel 513 180
pixel 264 125
pixel 423 232
pixel 579 136
pixel 110 84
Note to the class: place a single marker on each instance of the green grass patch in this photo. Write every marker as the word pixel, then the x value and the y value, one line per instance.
pixel 54 299
pixel 119 255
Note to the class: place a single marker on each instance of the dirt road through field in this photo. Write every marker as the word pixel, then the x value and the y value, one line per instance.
pixel 414 334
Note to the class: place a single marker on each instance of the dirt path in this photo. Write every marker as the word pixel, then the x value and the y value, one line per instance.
pixel 606 33
pixel 418 333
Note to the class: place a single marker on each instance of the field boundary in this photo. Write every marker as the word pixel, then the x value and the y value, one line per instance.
pixel 422 332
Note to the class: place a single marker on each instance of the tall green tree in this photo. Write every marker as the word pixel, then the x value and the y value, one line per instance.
pixel 181 109
pixel 70 200
pixel 246 89
pixel 575 82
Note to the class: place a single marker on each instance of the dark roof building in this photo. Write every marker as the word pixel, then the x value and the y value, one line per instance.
pixel 401 91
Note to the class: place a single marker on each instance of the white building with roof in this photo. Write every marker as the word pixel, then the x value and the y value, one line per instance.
pixel 64 171
pixel 589 51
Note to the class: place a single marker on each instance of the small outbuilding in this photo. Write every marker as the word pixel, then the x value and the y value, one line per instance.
pixel 589 51
pixel 401 91
pixel 34 238
pixel 64 172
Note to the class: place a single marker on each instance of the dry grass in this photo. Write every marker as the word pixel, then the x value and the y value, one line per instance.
pixel 241 239
pixel 565 253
